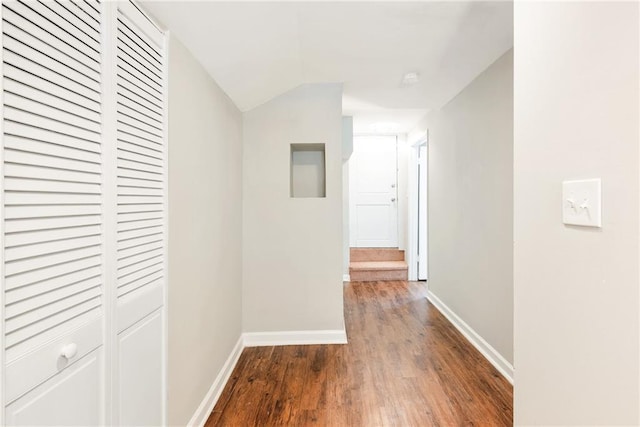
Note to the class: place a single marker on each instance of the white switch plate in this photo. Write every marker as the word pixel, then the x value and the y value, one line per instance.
pixel 582 202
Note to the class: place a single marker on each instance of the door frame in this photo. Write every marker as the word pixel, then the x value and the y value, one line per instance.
pixel 413 256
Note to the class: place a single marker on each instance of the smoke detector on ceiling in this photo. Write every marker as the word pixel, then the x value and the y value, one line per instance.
pixel 410 79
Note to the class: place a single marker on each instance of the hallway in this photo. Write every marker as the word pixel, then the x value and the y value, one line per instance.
pixel 405 365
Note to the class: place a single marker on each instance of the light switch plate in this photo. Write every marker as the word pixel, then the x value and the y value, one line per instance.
pixel 582 202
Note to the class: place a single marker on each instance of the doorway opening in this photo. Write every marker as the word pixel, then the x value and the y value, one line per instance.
pixel 374 200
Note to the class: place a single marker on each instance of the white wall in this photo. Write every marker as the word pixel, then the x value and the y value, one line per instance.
pixel 205 213
pixel 470 196
pixel 576 289
pixel 292 256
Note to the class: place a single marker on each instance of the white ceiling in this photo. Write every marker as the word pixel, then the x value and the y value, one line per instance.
pixel 256 51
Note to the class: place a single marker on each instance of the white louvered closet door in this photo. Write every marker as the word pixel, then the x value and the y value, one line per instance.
pixel 83 214
pixel 141 237
pixel 53 231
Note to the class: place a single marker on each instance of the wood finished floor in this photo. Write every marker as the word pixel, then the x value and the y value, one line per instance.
pixel 405 365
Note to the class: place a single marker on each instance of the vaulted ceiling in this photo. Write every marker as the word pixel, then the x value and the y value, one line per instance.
pixel 258 50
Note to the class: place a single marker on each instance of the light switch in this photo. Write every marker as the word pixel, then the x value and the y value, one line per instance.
pixel 581 203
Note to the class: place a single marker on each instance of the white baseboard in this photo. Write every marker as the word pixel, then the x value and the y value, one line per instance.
pixel 211 398
pixel 346 278
pixel 490 353
pixel 259 339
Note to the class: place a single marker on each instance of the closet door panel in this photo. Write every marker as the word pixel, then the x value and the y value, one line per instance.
pixel 141 218
pixel 71 398
pixel 52 227
pixel 140 385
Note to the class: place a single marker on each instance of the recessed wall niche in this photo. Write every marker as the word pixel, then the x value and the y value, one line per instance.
pixel 308 174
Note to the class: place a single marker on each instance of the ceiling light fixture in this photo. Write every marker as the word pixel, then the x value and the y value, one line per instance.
pixel 410 79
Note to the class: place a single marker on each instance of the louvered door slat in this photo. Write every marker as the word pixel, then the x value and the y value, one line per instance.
pixel 139 231
pixel 23 318
pixel 146 106
pixel 127 108
pixel 35 276
pixel 21 170
pixel 24 149
pixel 138 136
pixel 43 30
pixel 139 208
pixel 63 166
pixel 139 123
pixel 30 132
pixel 44 86
pixel 89 129
pixel 84 28
pixel 148 263
pixel 16 215
pixel 135 51
pixel 146 45
pixel 138 241
pixel 53 173
pixel 25 57
pixel 87 276
pixel 52 234
pixel 139 153
pixel 87 10
pixel 40 122
pixel 70 33
pixel 144 183
pixel 133 165
pixel 36 302
pixel 151 144
pixel 135 74
pixel 43 249
pixel 22 266
pixel 73 62
pixel 29 92
pixel 140 78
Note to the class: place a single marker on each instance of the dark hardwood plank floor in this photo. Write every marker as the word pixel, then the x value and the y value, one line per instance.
pixel 405 365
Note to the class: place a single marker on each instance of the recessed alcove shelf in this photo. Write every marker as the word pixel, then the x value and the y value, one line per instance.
pixel 308 176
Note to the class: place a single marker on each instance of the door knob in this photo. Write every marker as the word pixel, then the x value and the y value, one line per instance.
pixel 393 186
pixel 393 199
pixel 69 351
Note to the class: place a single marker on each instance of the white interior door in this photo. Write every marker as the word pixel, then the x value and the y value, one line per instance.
pixel 373 192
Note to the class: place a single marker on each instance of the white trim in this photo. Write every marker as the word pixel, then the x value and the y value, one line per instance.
pixel 411 255
pixel 346 277
pixel 109 209
pixel 205 408
pixel 490 353
pixel 260 339
pixel 165 204
pixel 2 276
